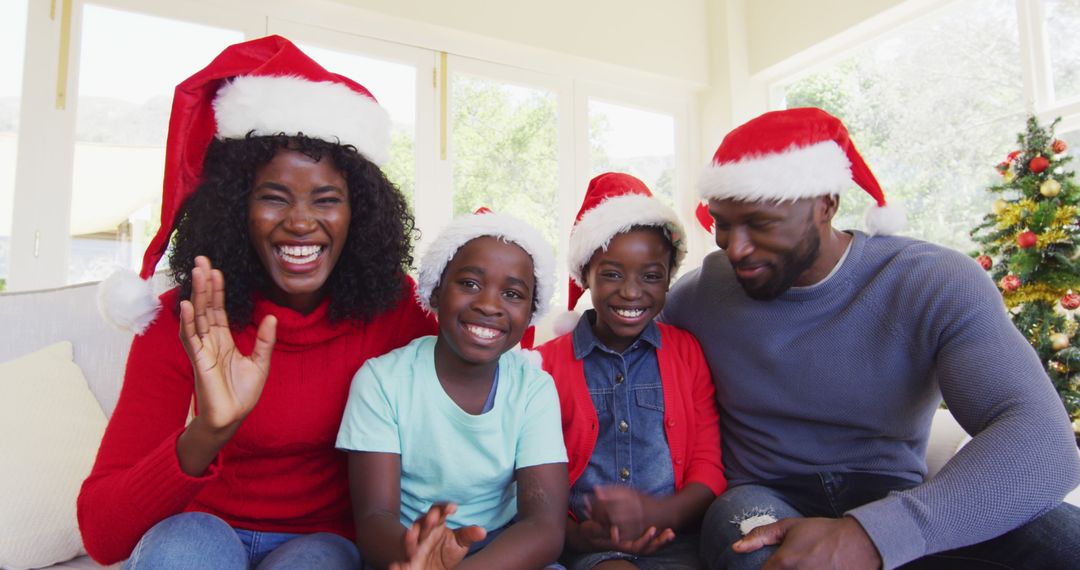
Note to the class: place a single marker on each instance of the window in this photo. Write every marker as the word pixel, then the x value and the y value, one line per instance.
pixel 12 41
pixel 121 123
pixel 1062 20
pixel 1071 138
pixel 489 124
pixel 637 142
pixel 505 150
pixel 931 107
pixel 394 86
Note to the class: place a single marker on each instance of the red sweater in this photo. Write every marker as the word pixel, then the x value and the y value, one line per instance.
pixel 691 420
pixel 279 473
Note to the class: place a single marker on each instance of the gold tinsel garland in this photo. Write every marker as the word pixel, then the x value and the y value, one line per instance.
pixel 1012 214
pixel 1032 292
pixel 1056 235
pixel 1065 216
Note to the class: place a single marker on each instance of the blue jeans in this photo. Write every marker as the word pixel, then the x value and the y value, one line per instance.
pixel 1050 541
pixel 201 540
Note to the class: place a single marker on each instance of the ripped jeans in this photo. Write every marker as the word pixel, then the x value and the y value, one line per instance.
pixel 1050 541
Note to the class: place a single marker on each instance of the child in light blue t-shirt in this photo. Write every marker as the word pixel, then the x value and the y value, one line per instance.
pixel 456 444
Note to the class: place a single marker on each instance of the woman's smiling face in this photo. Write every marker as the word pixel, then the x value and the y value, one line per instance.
pixel 298 222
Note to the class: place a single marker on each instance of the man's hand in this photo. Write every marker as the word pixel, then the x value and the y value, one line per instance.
pixel 813 543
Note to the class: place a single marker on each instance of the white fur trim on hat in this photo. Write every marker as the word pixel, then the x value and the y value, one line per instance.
pixel 815 170
pixel 127 302
pixel 885 220
pixel 269 105
pixel 466 228
pixel 617 215
pixel 565 322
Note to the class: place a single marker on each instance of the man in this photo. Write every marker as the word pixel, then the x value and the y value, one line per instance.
pixel 831 350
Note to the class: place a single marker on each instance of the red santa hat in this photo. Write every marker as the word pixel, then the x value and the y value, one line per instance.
pixel 789 155
pixel 265 87
pixel 614 203
pixel 484 222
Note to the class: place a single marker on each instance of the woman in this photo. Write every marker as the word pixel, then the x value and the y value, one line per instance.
pixel 270 178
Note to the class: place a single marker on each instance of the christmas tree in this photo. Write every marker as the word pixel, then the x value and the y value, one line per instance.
pixel 1030 245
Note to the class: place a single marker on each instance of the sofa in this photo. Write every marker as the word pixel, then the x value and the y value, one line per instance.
pixel 61 366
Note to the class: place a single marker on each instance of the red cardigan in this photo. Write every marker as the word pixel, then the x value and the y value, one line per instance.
pixel 691 419
pixel 279 473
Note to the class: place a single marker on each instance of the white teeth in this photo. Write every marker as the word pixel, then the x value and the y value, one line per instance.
pixel 482 332
pixel 300 254
pixel 630 313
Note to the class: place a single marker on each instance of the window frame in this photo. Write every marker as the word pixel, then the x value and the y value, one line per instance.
pixel 44 166
pixel 1035 64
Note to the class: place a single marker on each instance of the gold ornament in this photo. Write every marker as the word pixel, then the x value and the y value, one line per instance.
pixel 1009 176
pixel 1050 188
pixel 1059 341
pixel 998 207
pixel 1058 367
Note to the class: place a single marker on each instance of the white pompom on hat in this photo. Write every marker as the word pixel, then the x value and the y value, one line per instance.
pixel 790 155
pixel 614 203
pixel 485 223
pixel 262 87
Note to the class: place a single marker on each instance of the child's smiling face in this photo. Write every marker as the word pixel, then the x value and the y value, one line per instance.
pixel 629 284
pixel 484 300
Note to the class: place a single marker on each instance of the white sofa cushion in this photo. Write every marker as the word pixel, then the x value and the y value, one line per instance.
pixel 52 426
pixel 40 318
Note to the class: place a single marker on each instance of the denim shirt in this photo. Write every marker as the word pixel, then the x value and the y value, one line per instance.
pixel 631 446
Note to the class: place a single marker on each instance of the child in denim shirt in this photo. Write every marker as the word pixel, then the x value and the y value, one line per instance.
pixel 638 405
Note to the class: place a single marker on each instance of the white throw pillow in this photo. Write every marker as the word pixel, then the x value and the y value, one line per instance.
pixel 50 429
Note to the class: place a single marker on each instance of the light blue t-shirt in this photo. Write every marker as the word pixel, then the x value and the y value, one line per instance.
pixel 397 405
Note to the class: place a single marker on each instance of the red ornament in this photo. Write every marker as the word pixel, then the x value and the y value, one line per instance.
pixel 1002 168
pixel 1026 239
pixel 985 261
pixel 1038 164
pixel 1059 146
pixel 1012 156
pixel 1010 283
pixel 1070 301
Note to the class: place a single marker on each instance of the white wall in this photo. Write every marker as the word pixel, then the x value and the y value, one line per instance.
pixel 779 29
pixel 664 38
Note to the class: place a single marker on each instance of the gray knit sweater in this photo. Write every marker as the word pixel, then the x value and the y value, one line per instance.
pixel 846 375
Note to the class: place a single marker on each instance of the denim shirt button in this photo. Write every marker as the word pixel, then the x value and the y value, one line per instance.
pixel 624 473
pixel 623 426
pixel 619 378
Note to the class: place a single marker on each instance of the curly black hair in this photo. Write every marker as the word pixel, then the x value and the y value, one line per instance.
pixel 213 221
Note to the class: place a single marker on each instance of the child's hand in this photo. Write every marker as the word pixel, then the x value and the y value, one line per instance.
pixel 429 544
pixel 623 509
pixel 591 536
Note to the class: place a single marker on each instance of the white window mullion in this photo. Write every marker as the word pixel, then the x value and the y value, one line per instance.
pixel 436 207
pixel 1035 50
pixel 43 169
pixel 571 127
